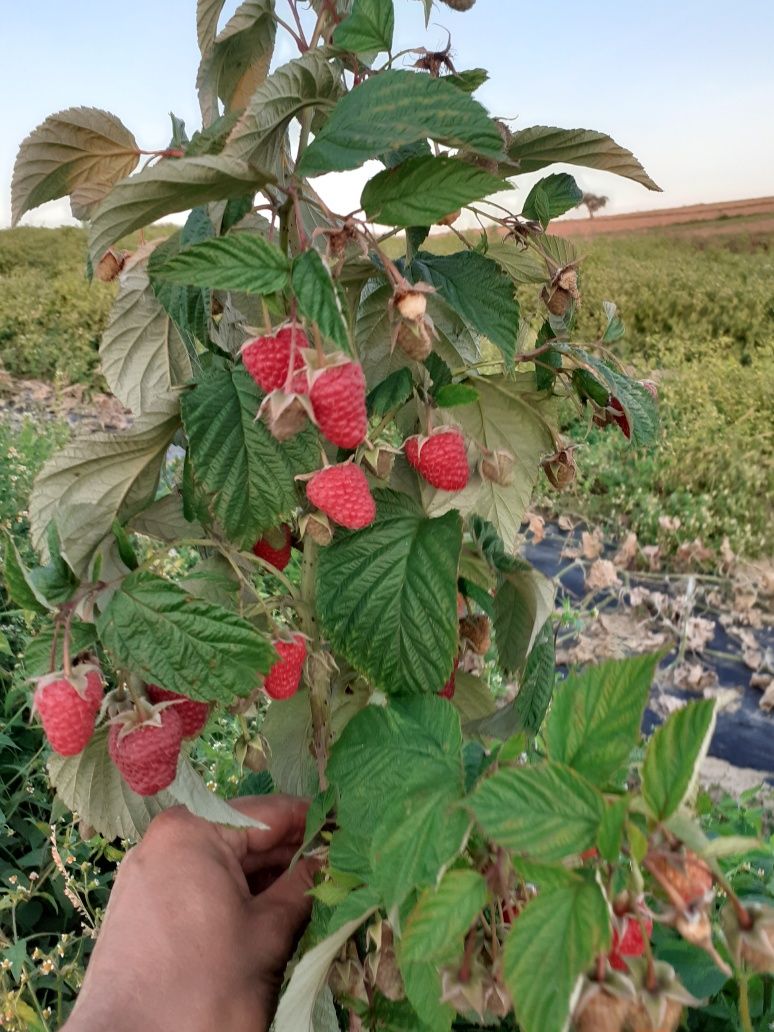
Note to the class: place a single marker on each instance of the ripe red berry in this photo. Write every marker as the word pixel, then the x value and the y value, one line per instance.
pixel 343 494
pixel 267 359
pixel 628 942
pixel 147 754
pixel 68 714
pixel 339 405
pixel 193 715
pixel 274 546
pixel 440 458
pixel 284 677
pixel 619 417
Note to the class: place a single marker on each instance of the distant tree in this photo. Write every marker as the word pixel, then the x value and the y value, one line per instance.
pixel 594 203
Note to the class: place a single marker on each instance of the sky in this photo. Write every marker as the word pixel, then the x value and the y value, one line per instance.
pixel 688 86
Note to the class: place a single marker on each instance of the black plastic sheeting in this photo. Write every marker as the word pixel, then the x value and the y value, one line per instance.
pixel 744 736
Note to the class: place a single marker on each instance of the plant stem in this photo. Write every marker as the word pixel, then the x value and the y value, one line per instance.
pixel 745 1019
pixel 318 670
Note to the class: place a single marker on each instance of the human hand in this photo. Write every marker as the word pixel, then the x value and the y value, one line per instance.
pixel 201 922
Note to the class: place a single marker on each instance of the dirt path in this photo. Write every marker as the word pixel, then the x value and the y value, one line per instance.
pixel 723 217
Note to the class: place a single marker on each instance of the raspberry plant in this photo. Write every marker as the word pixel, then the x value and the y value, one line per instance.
pixel 387 418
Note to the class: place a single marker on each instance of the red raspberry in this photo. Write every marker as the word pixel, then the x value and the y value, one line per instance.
pixel 650 387
pixel 343 494
pixel 284 677
pixel 147 754
pixel 339 405
pixel 628 943
pixel 619 418
pixel 274 547
pixel 67 715
pixel 193 715
pixel 447 692
pixel 440 458
pixel 267 359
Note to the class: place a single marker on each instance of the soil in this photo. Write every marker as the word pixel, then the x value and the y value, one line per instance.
pixel 755 215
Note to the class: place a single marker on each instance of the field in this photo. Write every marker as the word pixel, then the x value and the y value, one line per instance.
pixel 699 314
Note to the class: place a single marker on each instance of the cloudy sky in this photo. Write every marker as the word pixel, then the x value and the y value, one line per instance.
pixel 687 86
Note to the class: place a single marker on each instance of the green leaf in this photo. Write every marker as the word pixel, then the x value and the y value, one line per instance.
pixel 368 28
pixel 673 757
pixel 93 480
pixel 453 394
pixel 541 145
pixel 207 14
pixel 126 550
pixel 308 81
pixel 81 152
pixel 546 811
pixel 188 307
pixel 393 109
pixel 615 327
pixel 174 184
pixel 522 264
pixel 595 719
pixel 17 581
pixel 235 63
pixel 560 193
pixel 415 237
pixel 296 1008
pixel 250 474
pixel 164 520
pixel 491 547
pixel 393 392
pixel 560 932
pixel 611 830
pixel 537 684
pixel 435 928
pixel 242 261
pixel 187 646
pixel 408 745
pixel 387 597
pixel 317 299
pixel 423 190
pixel 638 404
pixel 469 80
pixel 476 288
pixel 142 356
pixel 422 982
pixel 417 837
pixel 523 602
pixel 5 645
pixel 37 654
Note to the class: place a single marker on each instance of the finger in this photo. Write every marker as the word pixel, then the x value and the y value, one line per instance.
pixel 286 905
pixel 285 817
